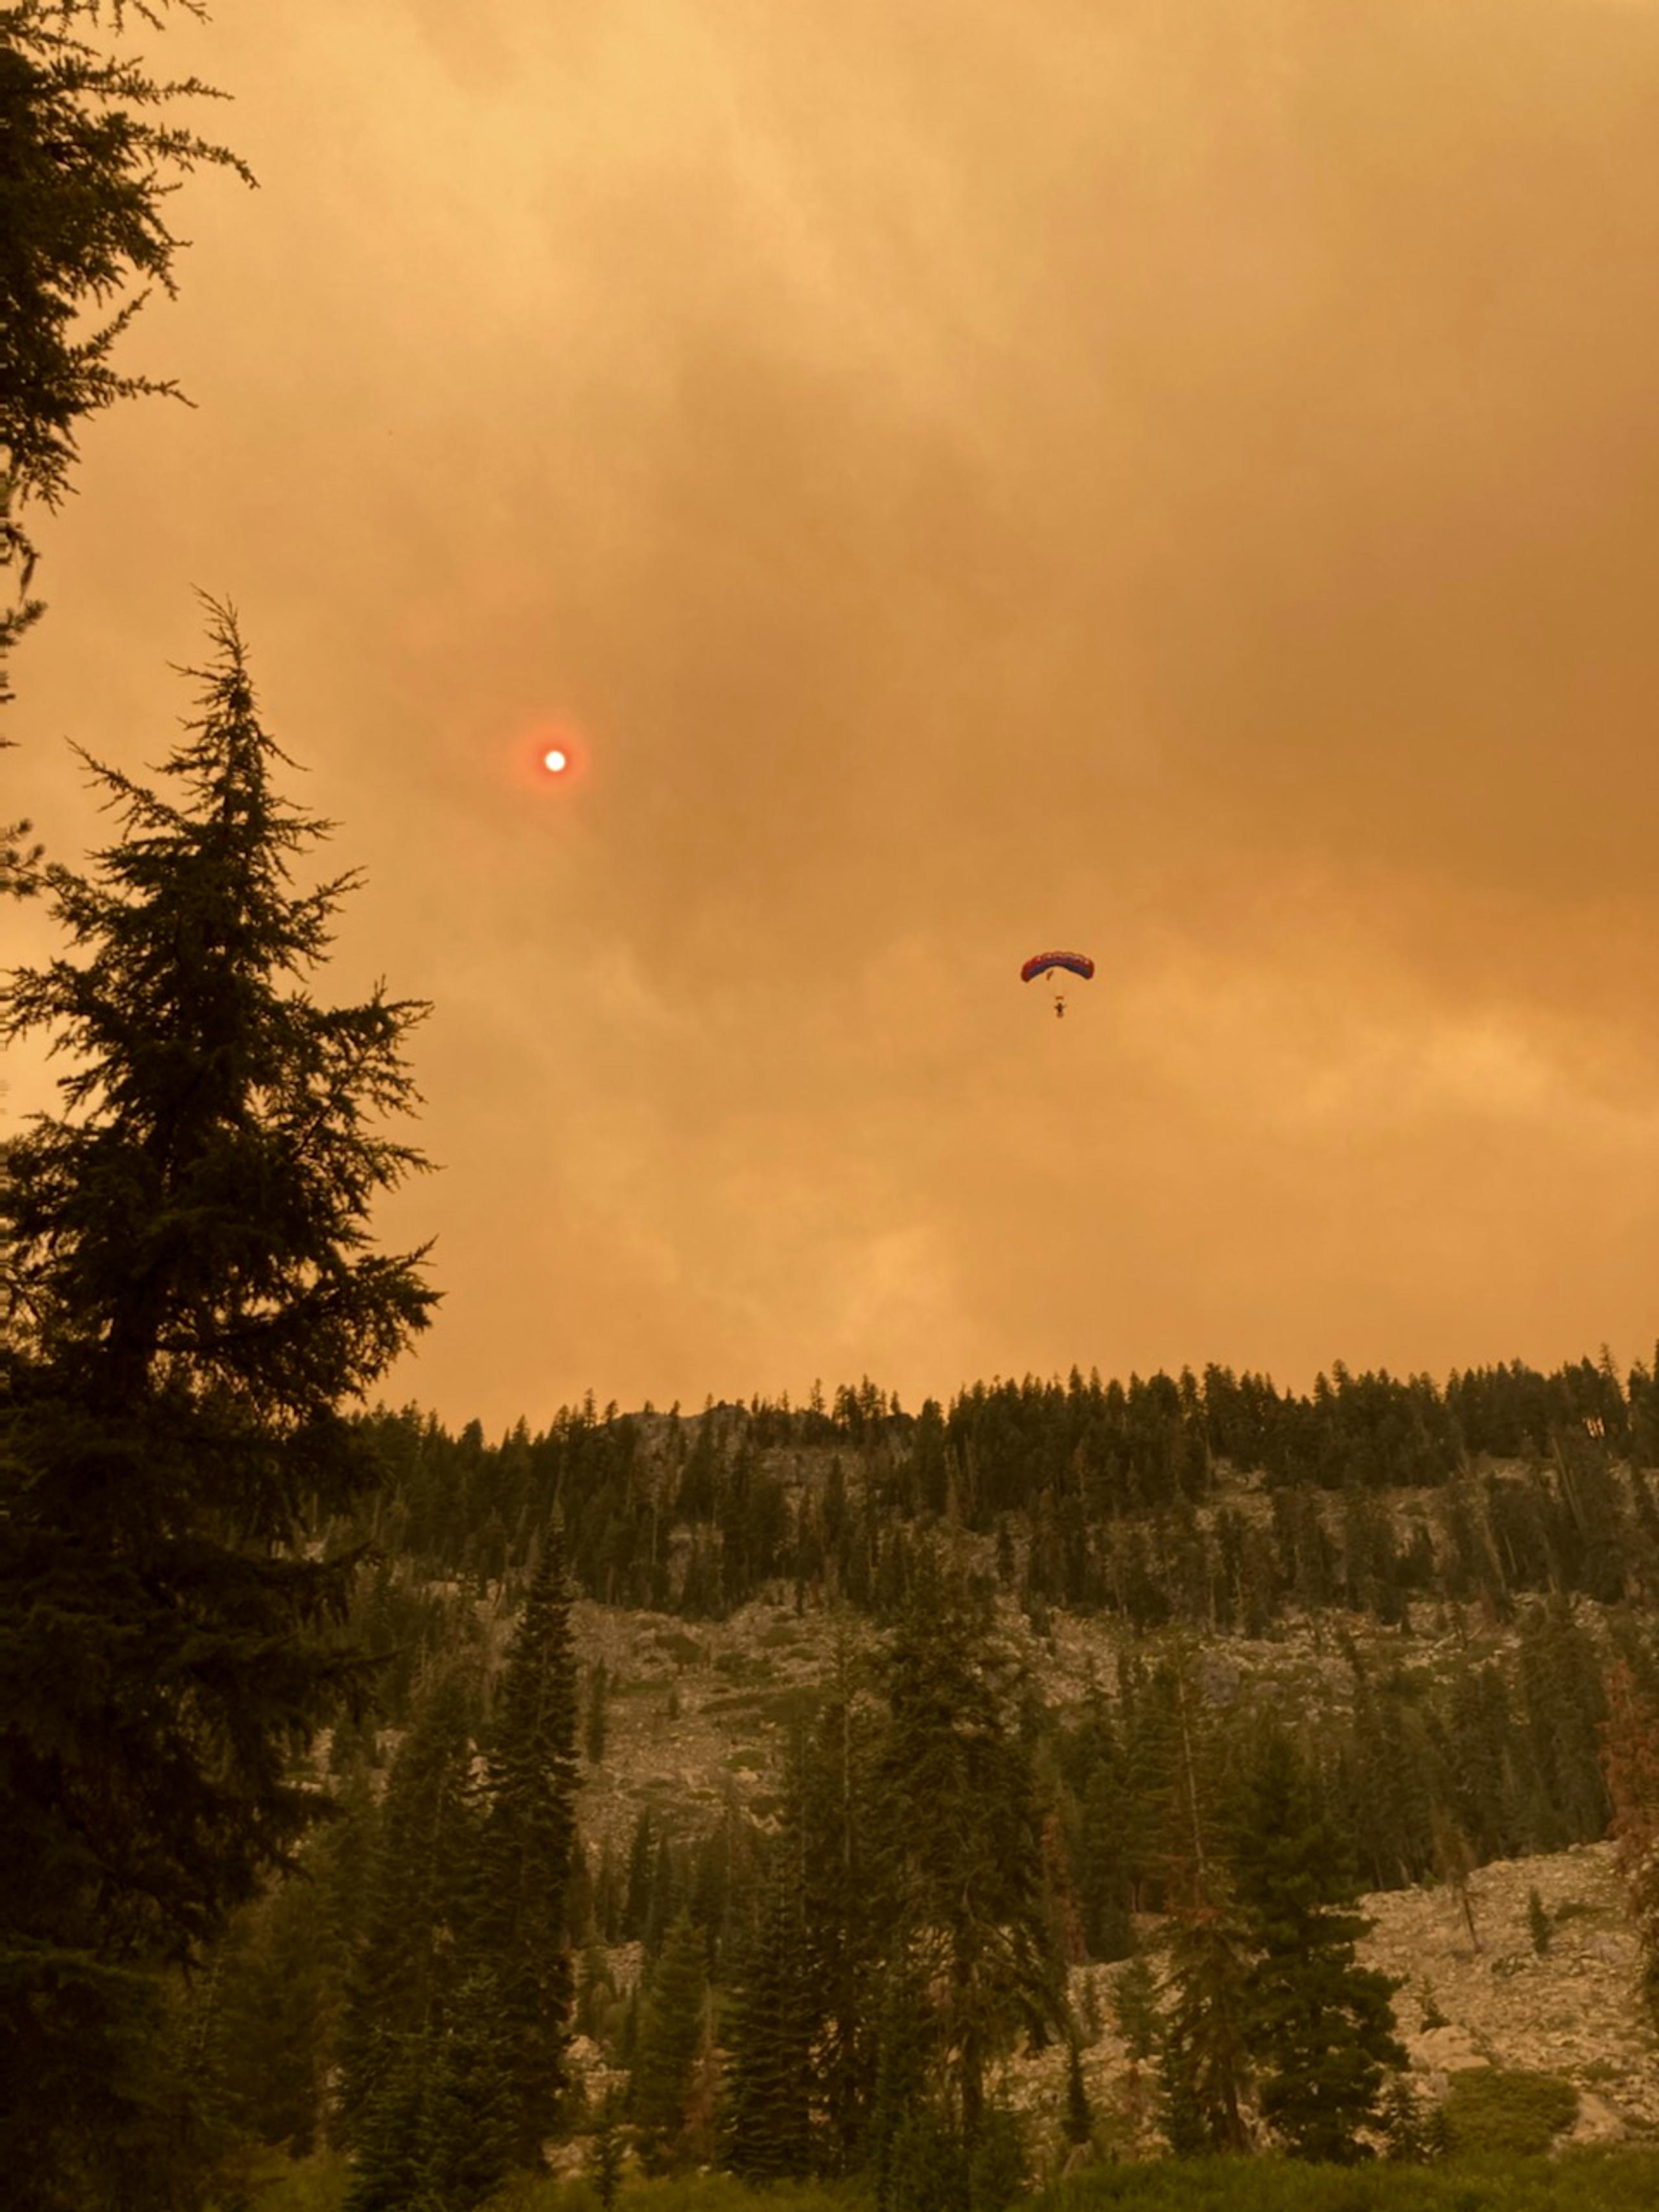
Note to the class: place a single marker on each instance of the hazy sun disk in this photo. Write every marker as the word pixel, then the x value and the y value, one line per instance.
pixel 555 762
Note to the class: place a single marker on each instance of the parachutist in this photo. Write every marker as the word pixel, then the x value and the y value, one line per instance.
pixel 1073 963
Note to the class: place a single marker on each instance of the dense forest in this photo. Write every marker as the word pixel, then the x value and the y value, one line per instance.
pixel 1128 1498
pixel 756 1991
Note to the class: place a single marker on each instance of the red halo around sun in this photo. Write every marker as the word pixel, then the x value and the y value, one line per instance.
pixel 551 755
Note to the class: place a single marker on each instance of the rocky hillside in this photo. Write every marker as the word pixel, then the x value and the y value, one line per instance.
pixel 696 1714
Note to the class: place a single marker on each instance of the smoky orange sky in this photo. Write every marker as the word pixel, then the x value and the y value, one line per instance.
pixel 1175 478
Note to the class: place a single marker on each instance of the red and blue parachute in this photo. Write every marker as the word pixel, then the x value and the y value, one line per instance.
pixel 1040 963
pixel 1072 963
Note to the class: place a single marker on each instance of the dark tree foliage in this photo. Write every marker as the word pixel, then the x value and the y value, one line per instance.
pixel 391 2172
pixel 605 2161
pixel 1080 2118
pixel 84 176
pixel 1320 2027
pixel 1204 2058
pixel 908 2141
pixel 475 2101
pixel 1115 1488
pixel 1205 2062
pixel 830 1784
pixel 960 1836
pixel 268 1992
pixel 526 1848
pixel 671 2035
pixel 769 2036
pixel 438 2135
pixel 189 1294
pixel 1135 2007
pixel 409 1955
pixel 1630 1756
pixel 19 861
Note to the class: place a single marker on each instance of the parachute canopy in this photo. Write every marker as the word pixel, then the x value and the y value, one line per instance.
pixel 1040 963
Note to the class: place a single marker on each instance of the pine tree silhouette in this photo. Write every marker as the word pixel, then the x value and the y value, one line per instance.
pixel 518 1926
pixel 1321 2026
pixel 186 1265
pixel 670 2034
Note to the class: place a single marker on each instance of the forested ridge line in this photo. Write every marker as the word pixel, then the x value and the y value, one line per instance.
pixel 1218 1499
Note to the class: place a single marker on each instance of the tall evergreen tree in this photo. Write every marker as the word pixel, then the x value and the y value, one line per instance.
pixel 605 2159
pixel 437 2135
pixel 391 2170
pixel 1203 2056
pixel 474 2099
pixel 268 2022
pixel 1561 1682
pixel 526 1849
pixel 829 1799
pixel 768 2108
pixel 410 1950
pixel 904 2118
pixel 187 1294
pixel 1204 2059
pixel 961 1838
pixel 1103 1868
pixel 671 2033
pixel 1321 2026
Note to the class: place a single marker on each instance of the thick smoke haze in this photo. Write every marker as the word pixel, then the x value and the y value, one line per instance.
pixel 1177 481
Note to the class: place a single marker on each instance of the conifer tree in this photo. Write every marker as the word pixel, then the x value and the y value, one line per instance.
pixel 1321 2026
pixel 961 1841
pixel 269 2025
pixel 1134 2007
pixel 670 2034
pixel 1402 2120
pixel 767 2116
pixel 87 174
pixel 1136 2017
pixel 636 1897
pixel 474 2099
pixel 1079 2119
pixel 666 1898
pixel 526 1851
pixel 607 2154
pixel 903 2039
pixel 410 1949
pixel 829 1788
pixel 1561 1682
pixel 1630 1761
pixel 1204 2058
pixel 187 1295
pixel 390 2171
pixel 438 2133
pixel 1103 1872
